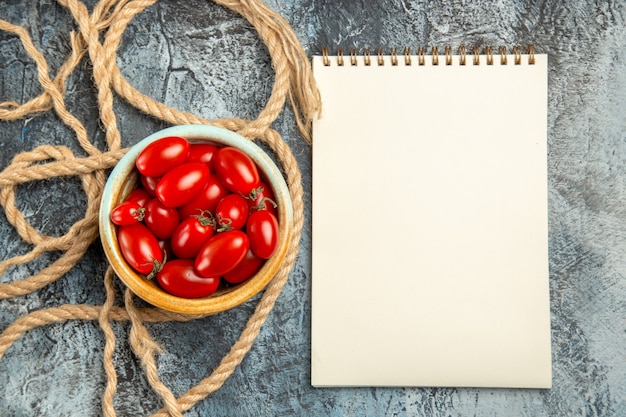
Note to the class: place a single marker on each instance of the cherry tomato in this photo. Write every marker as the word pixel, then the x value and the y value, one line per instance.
pixel 221 253
pixel 149 184
pixel 140 249
pixel 191 234
pixel 262 198
pixel 245 269
pixel 207 199
pixel 128 212
pixel 262 229
pixel 202 152
pixel 231 212
pixel 139 195
pixel 159 219
pixel 179 278
pixel 236 170
pixel 182 183
pixel 162 155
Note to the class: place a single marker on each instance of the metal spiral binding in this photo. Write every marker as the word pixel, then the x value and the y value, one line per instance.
pixel 476 53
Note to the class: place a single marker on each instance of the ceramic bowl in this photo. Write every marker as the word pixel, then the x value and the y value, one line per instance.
pixel 123 180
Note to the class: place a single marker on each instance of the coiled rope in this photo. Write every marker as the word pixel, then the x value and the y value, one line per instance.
pixel 98 36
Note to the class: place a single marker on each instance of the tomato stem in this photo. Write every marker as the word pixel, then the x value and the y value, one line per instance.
pixel 255 192
pixel 225 224
pixel 139 214
pixel 157 266
pixel 205 218
pixel 262 205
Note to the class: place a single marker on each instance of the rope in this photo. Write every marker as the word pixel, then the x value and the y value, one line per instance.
pixel 98 36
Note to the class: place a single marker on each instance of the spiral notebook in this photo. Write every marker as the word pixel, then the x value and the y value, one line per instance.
pixel 429 220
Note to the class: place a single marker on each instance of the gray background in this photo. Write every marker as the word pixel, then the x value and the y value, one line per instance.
pixel 199 57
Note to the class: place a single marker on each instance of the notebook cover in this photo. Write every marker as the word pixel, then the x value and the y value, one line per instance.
pixel 430 228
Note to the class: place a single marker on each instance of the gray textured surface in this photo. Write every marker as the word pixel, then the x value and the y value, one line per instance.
pixel 201 58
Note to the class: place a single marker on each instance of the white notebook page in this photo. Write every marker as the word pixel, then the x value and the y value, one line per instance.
pixel 430 230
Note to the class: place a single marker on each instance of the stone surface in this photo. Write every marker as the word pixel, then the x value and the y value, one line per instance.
pixel 199 57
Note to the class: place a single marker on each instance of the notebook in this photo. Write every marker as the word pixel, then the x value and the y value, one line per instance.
pixel 430 221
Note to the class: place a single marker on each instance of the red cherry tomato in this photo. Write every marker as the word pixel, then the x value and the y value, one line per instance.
pixel 140 249
pixel 221 253
pixel 149 184
pixel 159 219
pixel 245 269
pixel 231 212
pixel 207 199
pixel 262 229
pixel 182 183
pixel 162 155
pixel 236 170
pixel 191 234
pixel 126 213
pixel 262 198
pixel 202 152
pixel 140 196
pixel 179 278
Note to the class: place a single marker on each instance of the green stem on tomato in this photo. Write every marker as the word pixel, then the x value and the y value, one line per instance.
pixel 262 205
pixel 204 219
pixel 255 192
pixel 225 225
pixel 139 214
pixel 157 266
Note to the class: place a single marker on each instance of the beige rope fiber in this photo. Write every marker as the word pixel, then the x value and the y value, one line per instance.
pixel 98 37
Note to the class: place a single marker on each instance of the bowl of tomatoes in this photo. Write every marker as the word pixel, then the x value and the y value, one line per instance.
pixel 196 219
